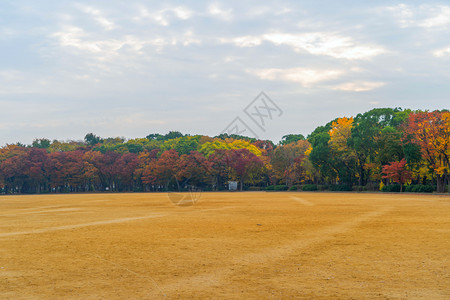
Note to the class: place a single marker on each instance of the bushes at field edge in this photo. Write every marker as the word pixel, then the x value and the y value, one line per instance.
pixel 419 188
pixel 277 188
pixel 392 188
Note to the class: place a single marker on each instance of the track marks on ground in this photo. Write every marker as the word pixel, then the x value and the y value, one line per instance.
pixel 217 277
pixel 97 223
pixel 43 211
pixel 20 211
pixel 75 226
pixel 302 201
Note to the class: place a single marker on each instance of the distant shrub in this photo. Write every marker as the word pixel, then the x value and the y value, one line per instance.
pixel 277 188
pixel 419 188
pixel 392 188
pixel 270 188
pixel 254 188
pixel 424 189
pixel 340 188
pixel 281 188
pixel 372 186
pixel 359 188
pixel 323 187
pixel 309 187
pixel 293 188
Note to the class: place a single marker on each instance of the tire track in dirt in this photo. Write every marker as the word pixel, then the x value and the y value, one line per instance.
pixel 218 276
pixel 302 201
pixel 42 211
pixel 96 223
pixel 74 226
pixel 24 210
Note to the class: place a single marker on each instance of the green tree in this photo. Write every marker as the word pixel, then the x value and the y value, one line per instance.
pixel 291 138
pixel 320 155
pixel 41 143
pixel 366 132
pixel 92 139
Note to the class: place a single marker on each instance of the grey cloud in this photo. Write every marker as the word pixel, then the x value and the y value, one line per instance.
pixel 130 68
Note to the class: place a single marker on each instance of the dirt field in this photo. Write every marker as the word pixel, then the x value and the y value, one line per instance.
pixel 229 245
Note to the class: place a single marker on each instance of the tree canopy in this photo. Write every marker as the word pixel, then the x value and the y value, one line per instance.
pixel 380 147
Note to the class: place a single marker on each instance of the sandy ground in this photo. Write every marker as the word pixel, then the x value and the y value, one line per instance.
pixel 229 245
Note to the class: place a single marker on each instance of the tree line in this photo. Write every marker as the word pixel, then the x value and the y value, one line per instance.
pixel 384 148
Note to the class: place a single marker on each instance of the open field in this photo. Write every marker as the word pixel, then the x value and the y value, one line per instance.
pixel 229 245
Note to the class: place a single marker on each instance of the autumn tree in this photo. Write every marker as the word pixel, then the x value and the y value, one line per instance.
pixel 345 150
pixel 287 161
pixel 13 168
pixel 244 164
pixel 431 131
pixel 126 166
pixel 397 172
pixel 345 156
pixel 162 171
pixel 366 132
pixel 194 169
pixel 107 169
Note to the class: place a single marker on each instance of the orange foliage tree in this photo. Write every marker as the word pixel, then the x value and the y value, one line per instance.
pixel 431 131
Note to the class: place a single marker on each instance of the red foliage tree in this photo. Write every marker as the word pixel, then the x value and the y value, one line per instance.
pixel 193 168
pixel 163 170
pixel 397 172
pixel 243 163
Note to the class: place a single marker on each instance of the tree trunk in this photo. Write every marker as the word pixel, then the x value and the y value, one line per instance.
pixel 440 179
pixel 448 182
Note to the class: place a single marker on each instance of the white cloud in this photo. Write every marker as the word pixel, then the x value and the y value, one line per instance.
pixel 319 43
pixel 316 43
pixel 71 36
pixel 189 38
pixel 181 12
pixel 246 41
pixel 262 11
pixel 306 77
pixel 283 11
pixel 98 17
pixel 98 54
pixel 403 13
pixel 425 16
pixel 441 17
pixel 163 16
pixel 217 11
pixel 358 86
pixel 105 48
pixel 442 52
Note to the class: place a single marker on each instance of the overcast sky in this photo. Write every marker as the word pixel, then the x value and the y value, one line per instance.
pixel 130 68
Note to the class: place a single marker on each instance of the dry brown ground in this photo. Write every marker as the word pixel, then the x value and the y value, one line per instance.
pixel 307 245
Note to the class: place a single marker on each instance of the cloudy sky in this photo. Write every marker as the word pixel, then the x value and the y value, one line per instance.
pixel 130 68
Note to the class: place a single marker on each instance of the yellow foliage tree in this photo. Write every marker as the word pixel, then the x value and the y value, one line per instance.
pixel 339 134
